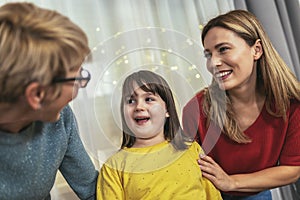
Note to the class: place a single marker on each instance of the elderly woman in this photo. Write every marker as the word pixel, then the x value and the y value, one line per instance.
pixel 41 53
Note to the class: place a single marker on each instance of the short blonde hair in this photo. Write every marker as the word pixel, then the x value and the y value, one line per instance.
pixel 36 45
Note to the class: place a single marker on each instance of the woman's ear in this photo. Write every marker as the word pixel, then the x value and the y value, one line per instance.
pixel 258 50
pixel 35 94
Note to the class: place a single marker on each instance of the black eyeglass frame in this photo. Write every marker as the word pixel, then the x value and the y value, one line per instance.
pixel 83 81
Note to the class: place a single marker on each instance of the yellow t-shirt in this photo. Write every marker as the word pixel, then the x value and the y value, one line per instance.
pixel 156 172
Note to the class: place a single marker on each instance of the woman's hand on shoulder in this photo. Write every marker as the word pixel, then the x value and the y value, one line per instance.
pixel 212 171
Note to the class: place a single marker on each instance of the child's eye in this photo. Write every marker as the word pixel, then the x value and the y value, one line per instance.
pixel 149 99
pixel 130 101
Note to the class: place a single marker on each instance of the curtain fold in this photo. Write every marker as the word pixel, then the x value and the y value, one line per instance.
pixel 292 15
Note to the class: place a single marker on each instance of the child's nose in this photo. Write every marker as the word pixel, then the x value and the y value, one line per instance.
pixel 140 106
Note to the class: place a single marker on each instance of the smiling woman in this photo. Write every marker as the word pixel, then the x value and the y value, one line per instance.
pixel 258 147
pixel 228 58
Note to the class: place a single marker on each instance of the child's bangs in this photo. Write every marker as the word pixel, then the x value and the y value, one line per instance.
pixel 131 85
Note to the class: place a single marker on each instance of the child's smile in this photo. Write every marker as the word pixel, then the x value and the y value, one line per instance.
pixel 145 114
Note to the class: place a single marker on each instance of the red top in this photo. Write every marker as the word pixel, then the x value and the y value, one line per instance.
pixel 274 140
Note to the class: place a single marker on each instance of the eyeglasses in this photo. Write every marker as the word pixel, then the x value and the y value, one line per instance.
pixel 82 80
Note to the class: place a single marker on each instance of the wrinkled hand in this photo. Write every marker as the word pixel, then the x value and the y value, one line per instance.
pixel 212 171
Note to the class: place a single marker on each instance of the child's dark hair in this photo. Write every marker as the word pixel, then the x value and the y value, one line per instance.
pixel 152 82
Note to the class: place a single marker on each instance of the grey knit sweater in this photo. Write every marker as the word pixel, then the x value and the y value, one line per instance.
pixel 29 160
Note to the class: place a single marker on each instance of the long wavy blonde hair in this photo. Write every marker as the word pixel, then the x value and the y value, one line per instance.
pixel 274 77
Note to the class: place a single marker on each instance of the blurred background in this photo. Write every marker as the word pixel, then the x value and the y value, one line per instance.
pixel 162 36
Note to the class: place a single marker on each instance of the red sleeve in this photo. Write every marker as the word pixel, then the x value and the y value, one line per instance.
pixel 290 154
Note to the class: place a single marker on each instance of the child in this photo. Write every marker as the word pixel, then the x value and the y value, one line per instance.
pixel 156 160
